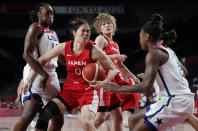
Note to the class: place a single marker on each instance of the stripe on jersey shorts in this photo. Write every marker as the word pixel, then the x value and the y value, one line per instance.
pixel 168 111
pixel 51 90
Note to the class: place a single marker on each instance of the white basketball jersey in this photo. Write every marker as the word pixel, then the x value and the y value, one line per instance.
pixel 47 41
pixel 170 78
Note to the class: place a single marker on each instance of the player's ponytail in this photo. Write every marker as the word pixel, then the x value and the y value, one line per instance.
pixel 154 26
pixel 168 37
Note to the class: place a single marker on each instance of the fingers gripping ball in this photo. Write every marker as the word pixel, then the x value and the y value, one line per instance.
pixel 93 72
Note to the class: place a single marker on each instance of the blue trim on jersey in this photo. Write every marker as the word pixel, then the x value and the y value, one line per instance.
pixel 168 102
pixel 150 125
pixel 164 83
pixel 148 108
pixel 31 94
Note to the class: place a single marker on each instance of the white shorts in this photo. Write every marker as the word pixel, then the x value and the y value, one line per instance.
pixel 51 90
pixel 169 111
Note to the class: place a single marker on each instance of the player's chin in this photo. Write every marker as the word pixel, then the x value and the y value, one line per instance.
pixel 50 22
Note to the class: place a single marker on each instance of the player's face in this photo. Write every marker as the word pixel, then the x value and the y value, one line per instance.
pixel 46 15
pixel 142 36
pixel 107 28
pixel 83 33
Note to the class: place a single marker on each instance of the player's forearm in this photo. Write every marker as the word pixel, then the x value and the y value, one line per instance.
pixel 133 89
pixel 112 56
pixel 122 68
pixel 111 74
pixel 34 64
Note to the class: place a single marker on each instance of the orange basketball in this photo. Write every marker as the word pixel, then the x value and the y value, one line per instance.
pixel 93 71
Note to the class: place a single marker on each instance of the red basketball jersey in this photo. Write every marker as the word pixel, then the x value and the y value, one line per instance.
pixel 111 49
pixel 76 62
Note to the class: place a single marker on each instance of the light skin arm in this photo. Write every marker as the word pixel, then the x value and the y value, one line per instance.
pixel 31 40
pixel 98 55
pixel 124 70
pixel 101 42
pixel 154 59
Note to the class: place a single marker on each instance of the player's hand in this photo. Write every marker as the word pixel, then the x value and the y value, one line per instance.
pixel 97 84
pixel 136 80
pixel 26 86
pixel 43 80
pixel 112 87
pixel 141 75
pixel 121 57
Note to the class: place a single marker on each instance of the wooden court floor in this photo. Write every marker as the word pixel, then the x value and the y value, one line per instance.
pixel 73 124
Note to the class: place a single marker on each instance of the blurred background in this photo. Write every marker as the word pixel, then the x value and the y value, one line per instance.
pixel 130 15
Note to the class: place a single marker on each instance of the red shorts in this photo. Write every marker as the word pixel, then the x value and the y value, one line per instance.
pixel 130 101
pixel 109 99
pixel 75 95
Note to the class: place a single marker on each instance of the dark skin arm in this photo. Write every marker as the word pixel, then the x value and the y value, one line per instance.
pixel 61 60
pixel 154 60
pixel 31 39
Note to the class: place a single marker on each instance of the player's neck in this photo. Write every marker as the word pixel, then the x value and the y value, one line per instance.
pixel 108 36
pixel 78 47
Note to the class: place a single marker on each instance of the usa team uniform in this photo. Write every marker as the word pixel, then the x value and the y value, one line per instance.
pixel 176 100
pixel 46 42
pixel 76 91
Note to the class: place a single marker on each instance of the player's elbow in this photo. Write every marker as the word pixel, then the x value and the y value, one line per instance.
pixel 42 61
pixel 147 87
pixel 26 56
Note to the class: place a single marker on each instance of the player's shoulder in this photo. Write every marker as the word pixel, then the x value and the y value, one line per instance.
pixel 101 38
pixel 35 26
pixel 157 55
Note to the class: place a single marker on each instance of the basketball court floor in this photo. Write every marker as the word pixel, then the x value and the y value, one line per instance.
pixel 73 124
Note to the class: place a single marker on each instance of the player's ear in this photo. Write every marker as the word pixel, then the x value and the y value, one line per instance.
pixel 38 14
pixel 146 36
pixel 74 33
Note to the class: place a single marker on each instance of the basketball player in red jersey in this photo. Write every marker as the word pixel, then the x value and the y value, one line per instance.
pixel 39 39
pixel 76 91
pixel 105 26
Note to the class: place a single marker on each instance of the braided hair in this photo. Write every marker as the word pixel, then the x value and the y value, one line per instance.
pixel 33 13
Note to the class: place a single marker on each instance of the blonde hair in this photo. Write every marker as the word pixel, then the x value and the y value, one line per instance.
pixel 103 17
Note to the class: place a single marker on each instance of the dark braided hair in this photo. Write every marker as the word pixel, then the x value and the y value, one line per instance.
pixel 33 13
pixel 168 37
pixel 154 26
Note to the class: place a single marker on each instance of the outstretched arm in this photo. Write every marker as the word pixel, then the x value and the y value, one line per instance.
pixel 154 59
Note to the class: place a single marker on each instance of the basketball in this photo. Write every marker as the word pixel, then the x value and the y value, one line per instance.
pixel 93 71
